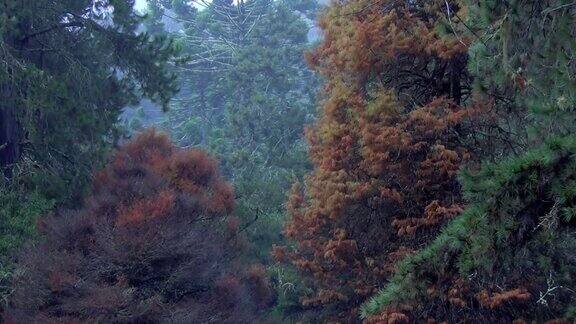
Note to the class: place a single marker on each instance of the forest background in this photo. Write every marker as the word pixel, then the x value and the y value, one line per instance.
pixel 377 161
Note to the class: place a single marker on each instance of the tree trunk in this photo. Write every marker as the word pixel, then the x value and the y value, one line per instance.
pixel 457 66
pixel 10 132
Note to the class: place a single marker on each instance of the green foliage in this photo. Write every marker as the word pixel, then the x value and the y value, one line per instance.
pixel 67 69
pixel 512 233
pixel 518 230
pixel 289 287
pixel 18 217
pixel 523 55
pixel 246 96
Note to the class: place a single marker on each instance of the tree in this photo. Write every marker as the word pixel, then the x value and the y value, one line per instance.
pixel 507 256
pixel 82 60
pixel 271 95
pixel 523 57
pixel 155 242
pixel 67 69
pixel 246 95
pixel 396 127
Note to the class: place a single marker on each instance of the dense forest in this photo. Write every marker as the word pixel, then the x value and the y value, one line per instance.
pixel 288 161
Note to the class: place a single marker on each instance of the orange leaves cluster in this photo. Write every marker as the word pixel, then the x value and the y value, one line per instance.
pixel 356 217
pixel 256 278
pixel 386 149
pixel 391 316
pixel 156 242
pixel 340 252
pixel 434 214
pixel 145 210
pixel 193 173
pixel 364 36
pixel 457 292
pixel 495 300
pixel 173 173
pixel 324 296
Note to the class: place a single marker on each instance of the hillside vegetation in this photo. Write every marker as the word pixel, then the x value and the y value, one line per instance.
pixel 288 161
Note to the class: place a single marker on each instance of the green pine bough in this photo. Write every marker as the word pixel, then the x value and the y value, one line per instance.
pixel 521 218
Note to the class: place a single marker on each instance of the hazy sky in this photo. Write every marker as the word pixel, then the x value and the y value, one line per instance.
pixel 141 4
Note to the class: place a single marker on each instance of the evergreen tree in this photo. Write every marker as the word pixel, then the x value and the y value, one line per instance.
pixel 507 256
pixel 396 125
pixel 523 57
pixel 74 59
pixel 156 242
pixel 246 95
pixel 67 68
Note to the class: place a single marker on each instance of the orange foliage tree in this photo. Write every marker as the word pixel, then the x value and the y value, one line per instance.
pixel 386 150
pixel 156 241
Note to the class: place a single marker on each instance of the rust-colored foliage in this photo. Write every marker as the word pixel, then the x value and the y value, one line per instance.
pixel 497 299
pixel 386 149
pixel 156 242
pixel 391 316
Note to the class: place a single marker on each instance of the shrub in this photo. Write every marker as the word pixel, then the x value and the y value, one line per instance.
pixel 156 241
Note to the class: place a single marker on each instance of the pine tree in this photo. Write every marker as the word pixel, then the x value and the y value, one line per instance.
pixel 523 55
pixel 246 95
pixel 393 133
pixel 67 69
pixel 507 256
pixel 156 242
